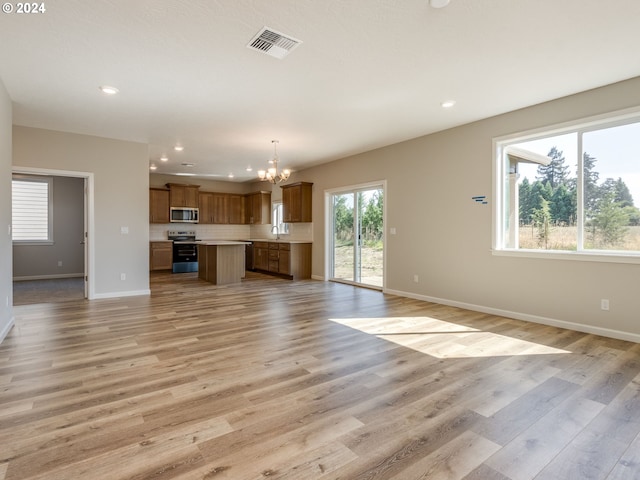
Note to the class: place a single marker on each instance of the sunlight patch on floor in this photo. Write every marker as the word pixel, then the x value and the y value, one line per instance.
pixel 442 339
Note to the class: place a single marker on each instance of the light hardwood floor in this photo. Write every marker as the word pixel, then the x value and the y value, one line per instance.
pixel 308 380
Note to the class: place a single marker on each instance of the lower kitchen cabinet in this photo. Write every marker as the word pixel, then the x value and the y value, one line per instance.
pixel 289 260
pixel 161 255
pixel 284 260
pixel 261 256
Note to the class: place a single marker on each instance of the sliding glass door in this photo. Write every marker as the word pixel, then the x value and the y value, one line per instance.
pixel 357 236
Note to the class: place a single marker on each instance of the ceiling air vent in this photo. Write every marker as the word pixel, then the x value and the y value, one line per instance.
pixel 273 43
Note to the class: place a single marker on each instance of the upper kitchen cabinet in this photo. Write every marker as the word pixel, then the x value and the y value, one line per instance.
pixel 181 195
pixel 258 208
pixel 236 204
pixel 220 208
pixel 158 205
pixel 205 205
pixel 296 202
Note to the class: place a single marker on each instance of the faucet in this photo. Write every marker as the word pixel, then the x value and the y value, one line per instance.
pixel 277 232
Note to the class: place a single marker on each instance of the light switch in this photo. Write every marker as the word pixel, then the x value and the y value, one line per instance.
pixel 124 230
pixel 392 230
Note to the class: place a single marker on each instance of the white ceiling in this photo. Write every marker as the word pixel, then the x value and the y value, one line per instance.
pixel 369 73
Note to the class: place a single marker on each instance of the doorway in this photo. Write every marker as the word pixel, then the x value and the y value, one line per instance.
pixel 57 268
pixel 356 221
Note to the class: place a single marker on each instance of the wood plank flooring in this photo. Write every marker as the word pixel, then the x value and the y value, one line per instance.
pixel 308 380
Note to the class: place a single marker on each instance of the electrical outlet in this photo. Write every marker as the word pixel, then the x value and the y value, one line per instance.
pixel 604 304
pixel 123 276
pixel 59 263
pixel 392 230
pixel 124 230
pixel 416 279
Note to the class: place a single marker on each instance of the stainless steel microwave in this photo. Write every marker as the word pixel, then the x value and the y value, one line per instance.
pixel 184 215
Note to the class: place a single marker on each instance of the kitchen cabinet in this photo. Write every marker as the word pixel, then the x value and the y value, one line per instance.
pixel 213 207
pixel 261 256
pixel 220 208
pixel 158 205
pixel 296 202
pixel 274 258
pixel 205 207
pixel 258 208
pixel 160 255
pixel 285 259
pixel 181 195
pixel 221 262
pixel 235 204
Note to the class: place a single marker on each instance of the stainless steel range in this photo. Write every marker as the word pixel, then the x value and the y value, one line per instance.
pixel 185 251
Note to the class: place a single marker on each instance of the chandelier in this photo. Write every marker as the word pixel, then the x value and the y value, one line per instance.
pixel 271 174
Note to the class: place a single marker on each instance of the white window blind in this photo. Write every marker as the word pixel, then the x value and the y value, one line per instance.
pixel 31 209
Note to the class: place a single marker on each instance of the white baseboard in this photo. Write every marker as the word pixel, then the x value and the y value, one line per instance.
pixel 605 332
pixel 131 293
pixel 7 328
pixel 48 277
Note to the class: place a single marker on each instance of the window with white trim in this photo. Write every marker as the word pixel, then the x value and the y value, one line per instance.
pixel 31 210
pixel 277 215
pixel 571 189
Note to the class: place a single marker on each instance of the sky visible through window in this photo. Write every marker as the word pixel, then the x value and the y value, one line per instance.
pixel 616 149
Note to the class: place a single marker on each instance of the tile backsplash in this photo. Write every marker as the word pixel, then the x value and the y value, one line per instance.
pixel 158 231
pixel 297 231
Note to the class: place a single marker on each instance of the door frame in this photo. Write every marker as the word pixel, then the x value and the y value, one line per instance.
pixel 328 228
pixel 89 222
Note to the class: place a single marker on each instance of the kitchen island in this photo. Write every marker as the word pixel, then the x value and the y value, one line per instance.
pixel 221 262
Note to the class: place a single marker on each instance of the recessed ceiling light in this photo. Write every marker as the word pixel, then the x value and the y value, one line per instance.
pixel 438 3
pixel 178 148
pixel 152 166
pixel 230 175
pixel 188 164
pixel 448 103
pixel 108 90
pixel 164 158
pixel 249 169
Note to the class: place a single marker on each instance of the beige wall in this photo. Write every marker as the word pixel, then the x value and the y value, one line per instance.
pixel 6 285
pixel 121 199
pixel 41 261
pixel 445 237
